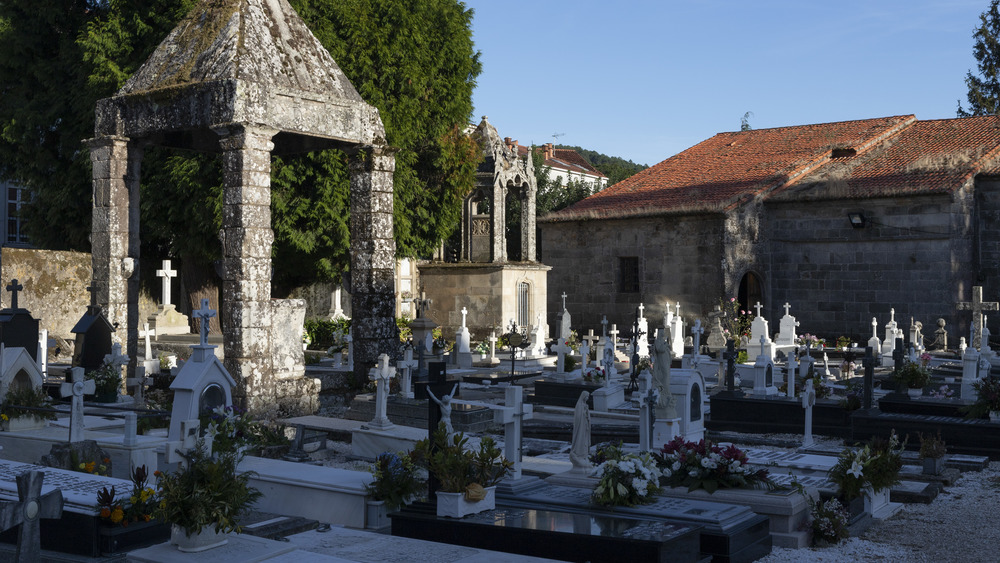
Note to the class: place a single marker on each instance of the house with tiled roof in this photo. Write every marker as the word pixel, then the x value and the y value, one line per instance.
pixel 563 166
pixel 843 221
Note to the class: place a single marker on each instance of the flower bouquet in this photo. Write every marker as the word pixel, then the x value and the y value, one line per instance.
pixel 987 398
pixel 705 465
pixel 829 521
pixel 875 465
pixel 625 479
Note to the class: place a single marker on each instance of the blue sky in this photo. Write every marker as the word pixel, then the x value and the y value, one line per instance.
pixel 644 80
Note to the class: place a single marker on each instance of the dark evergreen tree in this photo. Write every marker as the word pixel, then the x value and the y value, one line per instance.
pixel 984 88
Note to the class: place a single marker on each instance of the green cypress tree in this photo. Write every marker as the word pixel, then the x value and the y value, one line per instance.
pixel 984 89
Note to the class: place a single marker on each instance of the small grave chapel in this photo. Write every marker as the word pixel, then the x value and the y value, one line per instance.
pixel 495 276
pixel 245 80
pixel 843 221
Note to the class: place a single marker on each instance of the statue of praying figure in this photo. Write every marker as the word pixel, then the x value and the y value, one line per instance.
pixel 940 337
pixel 444 403
pixel 579 452
pixel 665 405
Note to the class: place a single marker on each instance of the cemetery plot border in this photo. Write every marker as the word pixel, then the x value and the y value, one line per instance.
pixel 774 414
pixel 963 436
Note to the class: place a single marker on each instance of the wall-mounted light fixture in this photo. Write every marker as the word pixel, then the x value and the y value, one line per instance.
pixel 857 220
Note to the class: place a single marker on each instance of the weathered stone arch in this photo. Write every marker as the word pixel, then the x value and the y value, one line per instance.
pixel 244 78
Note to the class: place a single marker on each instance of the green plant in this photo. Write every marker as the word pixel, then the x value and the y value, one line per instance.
pixel 395 480
pixel 829 520
pixel 403 324
pixel 208 492
pixel 643 363
pixel 569 363
pixel 704 465
pixel 573 341
pixel 232 429
pixel 987 398
pixel 27 397
pixel 875 465
pixel 322 333
pixel 932 446
pixel 629 480
pixel 742 357
pixel 458 468
pixel 843 342
pixel 736 322
pixel 912 375
pixel 140 505
pixel 107 379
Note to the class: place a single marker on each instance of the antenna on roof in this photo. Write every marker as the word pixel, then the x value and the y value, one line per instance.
pixel 557 135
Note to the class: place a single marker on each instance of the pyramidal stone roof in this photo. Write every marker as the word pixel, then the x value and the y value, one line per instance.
pixel 258 41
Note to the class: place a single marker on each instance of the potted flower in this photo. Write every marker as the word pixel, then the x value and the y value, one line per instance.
pixel 932 452
pixel 395 483
pixel 107 380
pixel 913 376
pixel 869 471
pixel 625 479
pixel 468 478
pixel 829 521
pixel 128 520
pixel 205 500
pixel 15 418
pixel 987 399
pixel 704 465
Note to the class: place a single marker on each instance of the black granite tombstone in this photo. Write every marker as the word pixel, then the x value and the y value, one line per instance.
pixel 93 337
pixel 18 329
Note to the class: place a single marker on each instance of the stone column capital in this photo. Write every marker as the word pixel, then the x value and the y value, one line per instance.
pixel 236 136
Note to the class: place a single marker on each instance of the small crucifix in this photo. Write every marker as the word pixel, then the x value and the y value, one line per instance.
pixel 564 300
pixel 13 287
pixel 26 511
pixel 205 314
pixel 758 307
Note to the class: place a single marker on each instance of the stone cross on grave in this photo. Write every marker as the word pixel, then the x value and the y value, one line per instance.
pixel 464 313
pixel 561 349
pixel 13 287
pixel 25 512
pixel 166 273
pixel 730 356
pixel 512 415
pixel 205 314
pixel 176 451
pixel 77 388
pixel 647 407
pixel 697 331
pixel 614 336
pixel 116 359
pixel 493 345
pixel 564 296
pixel 405 367
pixel 382 374
pixel 138 383
pixel 642 309
pixel 146 332
pixel 787 308
pixel 977 306
pixel 758 307
pixel 808 402
pixel 93 295
pixel 590 338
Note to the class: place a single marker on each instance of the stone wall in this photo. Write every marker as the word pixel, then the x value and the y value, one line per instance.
pixel 54 283
pixel 986 245
pixel 679 260
pixel 913 255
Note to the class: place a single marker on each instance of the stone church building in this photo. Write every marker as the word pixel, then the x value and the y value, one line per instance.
pixel 843 221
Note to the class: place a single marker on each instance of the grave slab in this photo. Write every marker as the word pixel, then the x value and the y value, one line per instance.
pixel 240 547
pixel 557 534
pixel 368 443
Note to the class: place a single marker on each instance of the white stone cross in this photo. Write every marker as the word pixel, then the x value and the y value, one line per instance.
pixel 874 328
pixel 977 306
pixel 561 349
pixel 146 332
pixel 406 366
pixel 614 335
pixel 138 382
pixel 758 306
pixel 166 273
pixel 205 314
pixel 381 376
pixel 787 307
pixel 677 309
pixel 585 351
pixel 564 296
pixel 826 366
pixel 464 313
pixel 590 338
pixel 493 345
pixel 78 387
pixel 116 359
pixel 642 308
pixel 667 315
pixel 43 351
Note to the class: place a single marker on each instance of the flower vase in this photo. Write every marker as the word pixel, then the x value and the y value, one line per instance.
pixel 915 393
pixel 204 540
pixel 24 422
pixel 376 515
pixel 454 505
pixel 994 416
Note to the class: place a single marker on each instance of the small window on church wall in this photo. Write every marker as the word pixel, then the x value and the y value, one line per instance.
pixel 523 304
pixel 628 274
pixel 212 397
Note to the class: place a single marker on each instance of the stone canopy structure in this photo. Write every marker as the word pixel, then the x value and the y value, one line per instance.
pixel 495 278
pixel 244 78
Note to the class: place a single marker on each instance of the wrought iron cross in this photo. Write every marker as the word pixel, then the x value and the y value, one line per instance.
pixel 13 287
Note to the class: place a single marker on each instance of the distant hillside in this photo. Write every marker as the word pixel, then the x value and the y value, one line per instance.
pixel 615 168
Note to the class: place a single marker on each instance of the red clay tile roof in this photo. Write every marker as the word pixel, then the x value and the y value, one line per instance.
pixel 894 155
pixel 565 159
pixel 928 157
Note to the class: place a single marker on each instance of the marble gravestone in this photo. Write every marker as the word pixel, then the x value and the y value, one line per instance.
pixel 18 371
pixel 760 339
pixel 763 383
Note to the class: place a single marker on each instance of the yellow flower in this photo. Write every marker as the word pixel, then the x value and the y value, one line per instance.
pixel 4 417
pixel 133 499
pixel 83 466
pixel 90 466
pixel 117 514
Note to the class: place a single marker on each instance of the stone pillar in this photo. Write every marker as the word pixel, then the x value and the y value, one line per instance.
pixel 528 224
pixel 373 258
pixel 246 246
pixel 499 214
pixel 115 234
